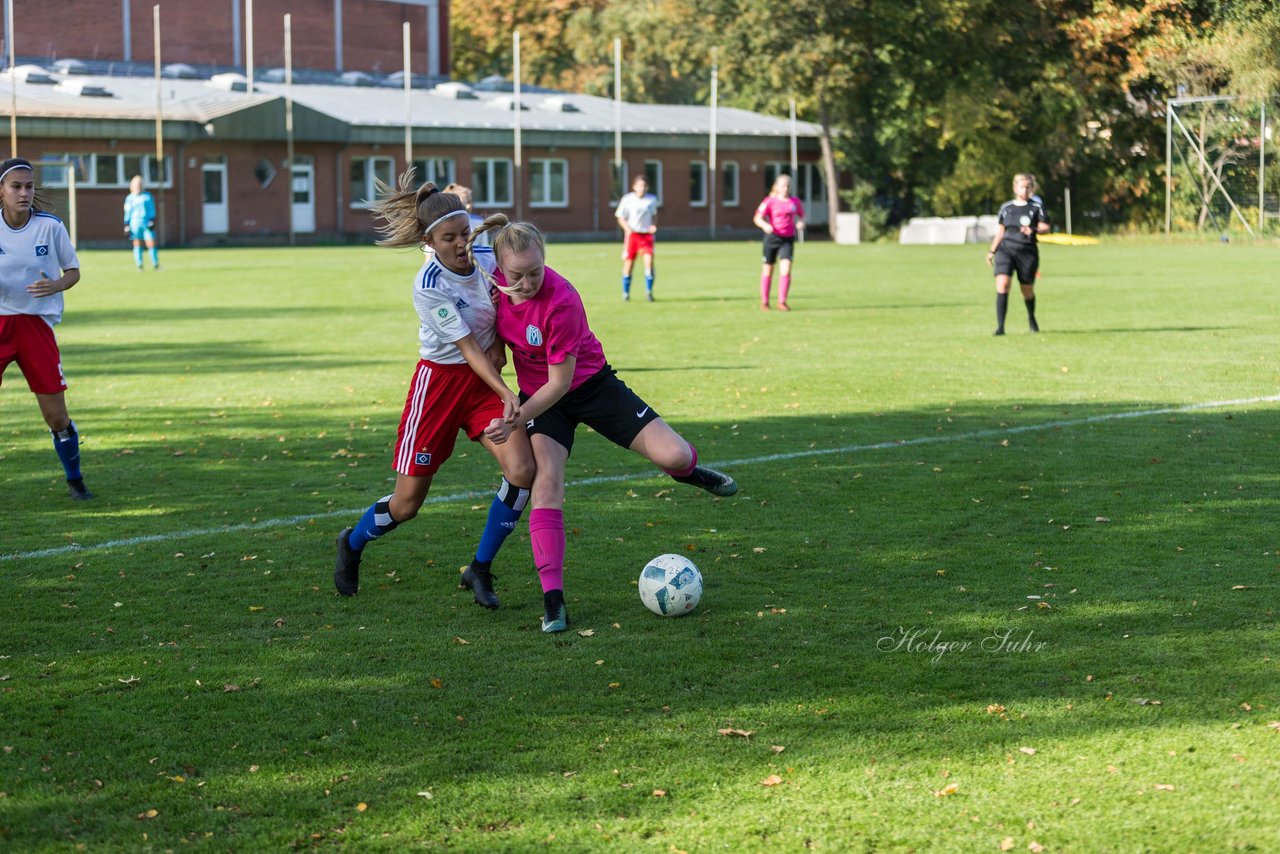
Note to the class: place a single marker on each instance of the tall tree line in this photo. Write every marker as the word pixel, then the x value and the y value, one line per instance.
pixel 927 106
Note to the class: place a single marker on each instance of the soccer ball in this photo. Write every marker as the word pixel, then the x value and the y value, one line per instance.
pixel 670 585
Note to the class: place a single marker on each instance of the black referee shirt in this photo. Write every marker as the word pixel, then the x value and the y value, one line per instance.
pixel 1015 214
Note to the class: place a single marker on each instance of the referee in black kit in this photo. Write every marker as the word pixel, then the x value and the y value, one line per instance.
pixel 1014 247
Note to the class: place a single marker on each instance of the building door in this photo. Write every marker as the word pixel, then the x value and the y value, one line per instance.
pixel 304 195
pixel 214 196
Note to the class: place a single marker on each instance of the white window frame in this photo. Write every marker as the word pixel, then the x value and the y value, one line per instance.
pixel 544 166
pixel 370 193
pixel 487 166
pixel 655 186
pixel 698 168
pixel 727 199
pixel 54 165
pixel 430 171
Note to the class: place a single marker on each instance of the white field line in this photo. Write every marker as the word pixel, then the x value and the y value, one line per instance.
pixel 266 524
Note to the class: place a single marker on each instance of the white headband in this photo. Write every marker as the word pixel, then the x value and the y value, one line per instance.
pixel 428 228
pixel 6 172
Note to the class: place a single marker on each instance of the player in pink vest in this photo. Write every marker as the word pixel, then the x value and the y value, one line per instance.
pixel 565 381
pixel 781 217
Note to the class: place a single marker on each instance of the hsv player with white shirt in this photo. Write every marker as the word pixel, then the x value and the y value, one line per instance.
pixel 456 386
pixel 37 263
pixel 565 381
pixel 637 213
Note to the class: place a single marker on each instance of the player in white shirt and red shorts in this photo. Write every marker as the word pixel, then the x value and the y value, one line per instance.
pixel 456 385
pixel 37 263
pixel 637 214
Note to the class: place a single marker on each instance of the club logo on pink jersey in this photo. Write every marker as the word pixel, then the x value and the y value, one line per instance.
pixel 533 335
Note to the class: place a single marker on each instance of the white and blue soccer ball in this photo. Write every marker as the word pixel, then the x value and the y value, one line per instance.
pixel 670 585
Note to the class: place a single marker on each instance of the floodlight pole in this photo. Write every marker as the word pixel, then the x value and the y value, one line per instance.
pixel 711 164
pixel 1168 167
pixel 155 27
pixel 13 81
pixel 248 46
pixel 408 105
pixel 617 115
pixel 1262 165
pixel 288 113
pixel 518 178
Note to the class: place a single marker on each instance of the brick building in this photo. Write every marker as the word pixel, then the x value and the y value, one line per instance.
pixel 226 178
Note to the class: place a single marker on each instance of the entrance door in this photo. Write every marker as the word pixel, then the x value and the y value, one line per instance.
pixel 304 195
pixel 214 192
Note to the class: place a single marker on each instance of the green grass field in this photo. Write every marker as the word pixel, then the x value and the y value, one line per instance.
pixel 975 594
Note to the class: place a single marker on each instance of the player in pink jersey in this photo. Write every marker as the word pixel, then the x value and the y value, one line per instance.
pixel 565 381
pixel 37 263
pixel 781 217
pixel 456 385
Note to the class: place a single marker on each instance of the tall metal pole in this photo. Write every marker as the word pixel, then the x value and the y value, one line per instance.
pixel 795 158
pixel 155 28
pixel 617 118
pixel 248 45
pixel 288 112
pixel 1066 195
pixel 711 158
pixel 1168 167
pixel 408 105
pixel 1262 166
pixel 13 81
pixel 519 172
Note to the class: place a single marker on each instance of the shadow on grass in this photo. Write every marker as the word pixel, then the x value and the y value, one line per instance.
pixel 1135 550
pixel 174 357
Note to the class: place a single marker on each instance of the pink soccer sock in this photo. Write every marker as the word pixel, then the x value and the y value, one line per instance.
pixel 546 535
pixel 685 472
pixel 765 283
pixel 784 287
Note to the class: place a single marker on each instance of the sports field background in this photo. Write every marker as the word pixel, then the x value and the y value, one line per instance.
pixel 176 671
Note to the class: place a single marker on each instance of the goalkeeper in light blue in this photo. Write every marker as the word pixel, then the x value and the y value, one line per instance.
pixel 140 222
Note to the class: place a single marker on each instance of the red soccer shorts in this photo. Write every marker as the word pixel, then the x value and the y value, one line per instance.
pixel 443 399
pixel 639 244
pixel 28 340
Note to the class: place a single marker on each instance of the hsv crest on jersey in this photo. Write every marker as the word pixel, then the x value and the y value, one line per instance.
pixel 422 459
pixel 533 335
pixel 42 249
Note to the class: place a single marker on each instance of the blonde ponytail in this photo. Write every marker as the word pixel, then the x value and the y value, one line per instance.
pixel 404 212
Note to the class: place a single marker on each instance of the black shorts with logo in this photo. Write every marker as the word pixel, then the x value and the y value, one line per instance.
pixel 604 403
pixel 1024 260
pixel 776 247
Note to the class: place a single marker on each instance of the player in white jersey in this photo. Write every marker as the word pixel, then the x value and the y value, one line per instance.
pixel 456 386
pixel 37 263
pixel 637 215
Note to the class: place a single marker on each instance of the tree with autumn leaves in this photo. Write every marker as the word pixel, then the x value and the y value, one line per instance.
pixel 929 105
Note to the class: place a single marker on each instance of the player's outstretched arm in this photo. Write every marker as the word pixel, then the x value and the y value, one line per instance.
pixel 478 359
pixel 559 378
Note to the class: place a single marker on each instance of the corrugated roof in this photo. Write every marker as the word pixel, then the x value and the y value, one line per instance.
pixel 196 101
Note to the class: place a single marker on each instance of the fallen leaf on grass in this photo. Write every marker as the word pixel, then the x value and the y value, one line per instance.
pixel 1030 751
pixel 586 633
pixel 361 807
pixel 741 733
pixel 771 780
pixel 460 641
pixel 1007 843
pixel 1275 725
pixel 1034 847
pixel 659 793
pixel 777 748
pixel 758 550
pixel 230 689
pixel 947 790
pixel 426 795
pixel 995 709
pixel 436 682
pixel 1143 701
pixel 149 814
pixel 1240 587
pixel 1101 519
pixel 1163 787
